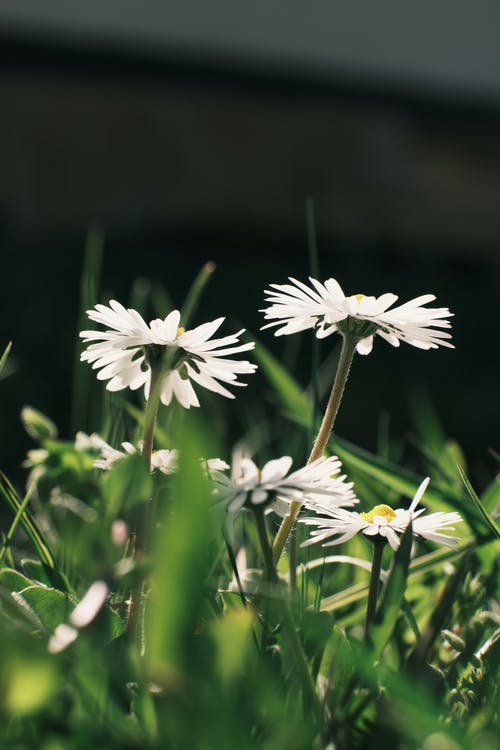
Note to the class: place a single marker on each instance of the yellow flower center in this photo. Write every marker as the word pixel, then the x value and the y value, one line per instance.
pixel 379 510
pixel 180 331
pixel 359 297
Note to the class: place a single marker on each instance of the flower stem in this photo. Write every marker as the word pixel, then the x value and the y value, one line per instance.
pixel 345 362
pixel 288 624
pixel 378 550
pixel 346 356
pixel 145 521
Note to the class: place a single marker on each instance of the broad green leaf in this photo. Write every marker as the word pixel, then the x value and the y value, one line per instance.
pixel 232 636
pixel 51 606
pixel 13 580
pixel 182 544
pixel 36 571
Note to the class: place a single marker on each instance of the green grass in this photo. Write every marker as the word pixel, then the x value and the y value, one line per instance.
pixel 213 665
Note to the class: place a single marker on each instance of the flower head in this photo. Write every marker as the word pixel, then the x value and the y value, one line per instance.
pixel 341 525
pixel 325 308
pixel 165 461
pixel 125 352
pixel 274 488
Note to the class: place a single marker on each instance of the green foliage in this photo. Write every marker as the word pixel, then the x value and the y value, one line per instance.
pixel 219 664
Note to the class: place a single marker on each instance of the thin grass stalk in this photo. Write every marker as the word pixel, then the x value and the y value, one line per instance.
pixel 321 442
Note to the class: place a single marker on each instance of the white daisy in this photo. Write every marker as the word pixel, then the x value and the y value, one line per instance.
pixel 341 525
pixel 275 489
pixel 164 460
pixel 123 354
pixel 167 461
pixel 325 307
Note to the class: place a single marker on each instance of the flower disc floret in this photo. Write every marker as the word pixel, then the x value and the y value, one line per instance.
pixel 127 350
pixel 326 309
pixel 340 525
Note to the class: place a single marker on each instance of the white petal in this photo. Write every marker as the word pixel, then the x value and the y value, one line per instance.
pixel 365 345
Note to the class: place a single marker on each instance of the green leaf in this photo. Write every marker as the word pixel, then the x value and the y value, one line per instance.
pixel 440 614
pixel 488 520
pixel 127 484
pixel 183 540
pixel 51 606
pixel 292 396
pixel 193 296
pixel 418 567
pixel 393 595
pixel 28 524
pixel 36 571
pixel 232 636
pixel 491 496
pixel 14 581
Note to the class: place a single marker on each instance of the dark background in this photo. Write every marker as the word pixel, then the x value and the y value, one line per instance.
pixel 186 152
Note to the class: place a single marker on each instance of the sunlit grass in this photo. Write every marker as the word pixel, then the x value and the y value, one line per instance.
pixel 213 663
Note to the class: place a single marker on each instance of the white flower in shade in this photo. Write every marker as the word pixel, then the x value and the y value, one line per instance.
pixel 273 488
pixel 165 461
pixel 341 525
pixel 325 308
pixel 124 351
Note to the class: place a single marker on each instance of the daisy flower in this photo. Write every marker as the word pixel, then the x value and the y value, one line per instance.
pixel 325 308
pixel 128 347
pixel 164 460
pixel 341 525
pixel 274 488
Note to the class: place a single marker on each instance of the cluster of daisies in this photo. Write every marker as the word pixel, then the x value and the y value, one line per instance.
pixel 128 350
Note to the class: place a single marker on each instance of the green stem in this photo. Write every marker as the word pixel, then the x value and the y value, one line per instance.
pixel 145 522
pixel 16 521
pixel 346 356
pixel 378 550
pixel 288 624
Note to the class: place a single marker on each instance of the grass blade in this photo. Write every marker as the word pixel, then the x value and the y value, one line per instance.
pixel 26 522
pixel 292 396
pixel 193 296
pixel 3 358
pixel 89 290
pixel 389 608
pixel 490 523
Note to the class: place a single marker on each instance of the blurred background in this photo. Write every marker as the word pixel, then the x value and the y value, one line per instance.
pixel 196 131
